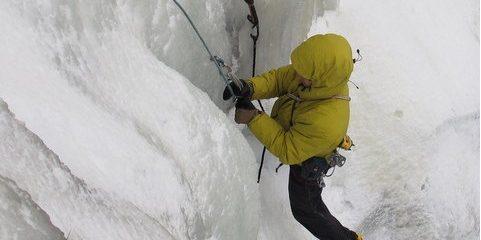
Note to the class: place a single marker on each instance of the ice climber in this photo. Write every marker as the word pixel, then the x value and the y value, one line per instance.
pixel 308 121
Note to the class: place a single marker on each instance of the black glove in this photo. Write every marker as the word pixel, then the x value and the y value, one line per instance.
pixel 245 111
pixel 244 103
pixel 245 92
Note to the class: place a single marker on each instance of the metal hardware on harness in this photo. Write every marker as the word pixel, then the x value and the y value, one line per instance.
pixel 336 159
pixel 333 160
pixel 313 168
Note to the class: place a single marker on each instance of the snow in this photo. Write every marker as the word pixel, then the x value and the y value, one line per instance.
pixel 115 128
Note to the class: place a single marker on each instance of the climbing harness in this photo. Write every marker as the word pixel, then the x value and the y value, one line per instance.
pixel 315 169
pixel 224 71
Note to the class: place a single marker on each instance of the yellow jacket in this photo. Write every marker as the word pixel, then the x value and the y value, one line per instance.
pixel 306 122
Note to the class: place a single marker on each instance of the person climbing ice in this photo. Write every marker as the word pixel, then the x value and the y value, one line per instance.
pixel 309 121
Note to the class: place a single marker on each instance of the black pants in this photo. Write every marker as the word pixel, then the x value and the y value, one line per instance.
pixel 309 209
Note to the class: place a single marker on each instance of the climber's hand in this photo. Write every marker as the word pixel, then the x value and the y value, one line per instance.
pixel 245 111
pixel 244 116
pixel 244 103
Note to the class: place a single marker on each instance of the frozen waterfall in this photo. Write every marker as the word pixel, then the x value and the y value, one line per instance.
pixel 112 124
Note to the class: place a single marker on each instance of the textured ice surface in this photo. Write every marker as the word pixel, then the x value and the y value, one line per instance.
pixel 283 25
pixel 124 122
pixel 79 211
pixel 21 218
pixel 112 143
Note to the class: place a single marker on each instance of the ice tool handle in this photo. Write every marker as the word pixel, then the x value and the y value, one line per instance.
pixel 212 57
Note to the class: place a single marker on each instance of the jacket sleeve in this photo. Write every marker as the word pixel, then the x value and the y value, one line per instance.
pixel 271 84
pixel 302 141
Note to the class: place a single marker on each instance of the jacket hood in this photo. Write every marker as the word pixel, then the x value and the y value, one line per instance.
pixel 327 61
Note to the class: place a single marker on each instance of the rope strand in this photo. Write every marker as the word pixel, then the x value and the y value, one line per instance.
pixel 212 57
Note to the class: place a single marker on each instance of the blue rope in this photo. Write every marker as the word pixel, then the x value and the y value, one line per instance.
pixel 217 64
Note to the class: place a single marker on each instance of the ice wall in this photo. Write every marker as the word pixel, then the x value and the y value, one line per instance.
pixel 21 218
pixel 283 25
pixel 140 153
pixel 169 36
pixel 79 211
pixel 83 79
